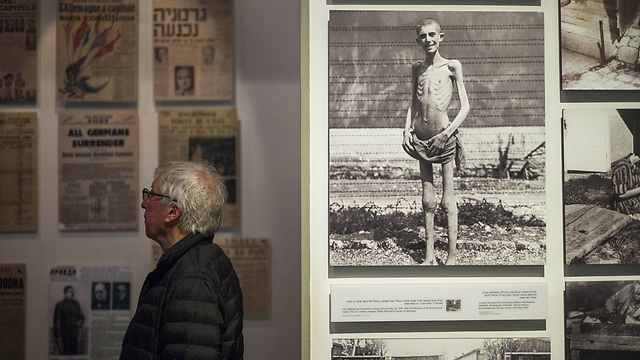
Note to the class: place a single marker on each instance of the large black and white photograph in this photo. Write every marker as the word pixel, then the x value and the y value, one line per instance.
pixel 461 90
pixel 599 44
pixel 442 349
pixel 602 320
pixel 601 185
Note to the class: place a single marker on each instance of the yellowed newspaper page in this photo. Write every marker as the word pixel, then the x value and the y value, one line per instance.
pixel 19 55
pixel 12 311
pixel 97 50
pixel 251 258
pixel 18 172
pixel 98 170
pixel 209 135
pixel 193 49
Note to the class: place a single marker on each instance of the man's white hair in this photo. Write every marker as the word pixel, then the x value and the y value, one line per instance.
pixel 199 191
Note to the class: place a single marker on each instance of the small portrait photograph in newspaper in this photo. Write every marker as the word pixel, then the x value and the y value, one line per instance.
pixel 602 319
pixel 599 44
pixel 441 349
pixel 19 55
pixel 601 185
pixel 436 138
pixel 192 50
pixel 97 50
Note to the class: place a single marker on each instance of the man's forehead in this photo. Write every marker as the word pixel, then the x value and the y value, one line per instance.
pixel 429 28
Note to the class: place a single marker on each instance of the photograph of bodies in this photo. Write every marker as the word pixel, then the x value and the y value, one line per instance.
pixel 436 138
pixel 602 320
pixel 442 349
pixel 600 41
pixel 601 186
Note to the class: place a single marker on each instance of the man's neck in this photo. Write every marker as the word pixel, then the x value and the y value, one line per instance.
pixel 171 239
pixel 433 59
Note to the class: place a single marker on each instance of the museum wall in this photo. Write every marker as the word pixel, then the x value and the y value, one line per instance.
pixel 267 99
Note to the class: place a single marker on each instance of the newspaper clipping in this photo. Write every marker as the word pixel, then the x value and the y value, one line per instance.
pixel 89 310
pixel 251 258
pixel 204 134
pixel 97 50
pixel 19 57
pixel 18 172
pixel 193 50
pixel 12 311
pixel 98 170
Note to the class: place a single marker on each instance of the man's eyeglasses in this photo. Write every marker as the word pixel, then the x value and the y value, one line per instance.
pixel 146 193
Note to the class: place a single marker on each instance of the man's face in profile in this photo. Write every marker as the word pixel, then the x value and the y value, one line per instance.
pixel 636 291
pixel 69 294
pixel 100 292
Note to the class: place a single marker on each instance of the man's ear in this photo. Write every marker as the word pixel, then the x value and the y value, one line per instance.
pixel 441 36
pixel 174 213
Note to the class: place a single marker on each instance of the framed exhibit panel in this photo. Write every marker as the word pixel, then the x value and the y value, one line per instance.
pixel 601 319
pixel 599 45
pixel 600 176
pixel 392 99
pixel 375 70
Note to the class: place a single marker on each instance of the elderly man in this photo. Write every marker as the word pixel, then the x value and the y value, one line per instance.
pixel 100 299
pixel 190 306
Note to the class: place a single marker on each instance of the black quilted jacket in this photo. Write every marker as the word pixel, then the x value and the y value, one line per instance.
pixel 190 306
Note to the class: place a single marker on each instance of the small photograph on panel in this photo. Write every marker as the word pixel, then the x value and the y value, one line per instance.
pixel 442 349
pixel 602 320
pixel 599 44
pixel 601 186
pixel 436 138
pixel 69 304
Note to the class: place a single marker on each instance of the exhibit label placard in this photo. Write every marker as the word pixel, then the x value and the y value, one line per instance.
pixel 427 302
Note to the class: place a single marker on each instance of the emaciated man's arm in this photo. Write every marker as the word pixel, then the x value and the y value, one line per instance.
pixel 412 111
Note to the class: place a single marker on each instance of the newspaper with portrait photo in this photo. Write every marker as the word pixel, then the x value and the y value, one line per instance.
pixel 97 50
pixel 192 50
pixel 19 56
pixel 98 170
pixel 89 311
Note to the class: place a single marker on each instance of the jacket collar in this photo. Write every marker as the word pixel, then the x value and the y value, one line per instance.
pixel 180 248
